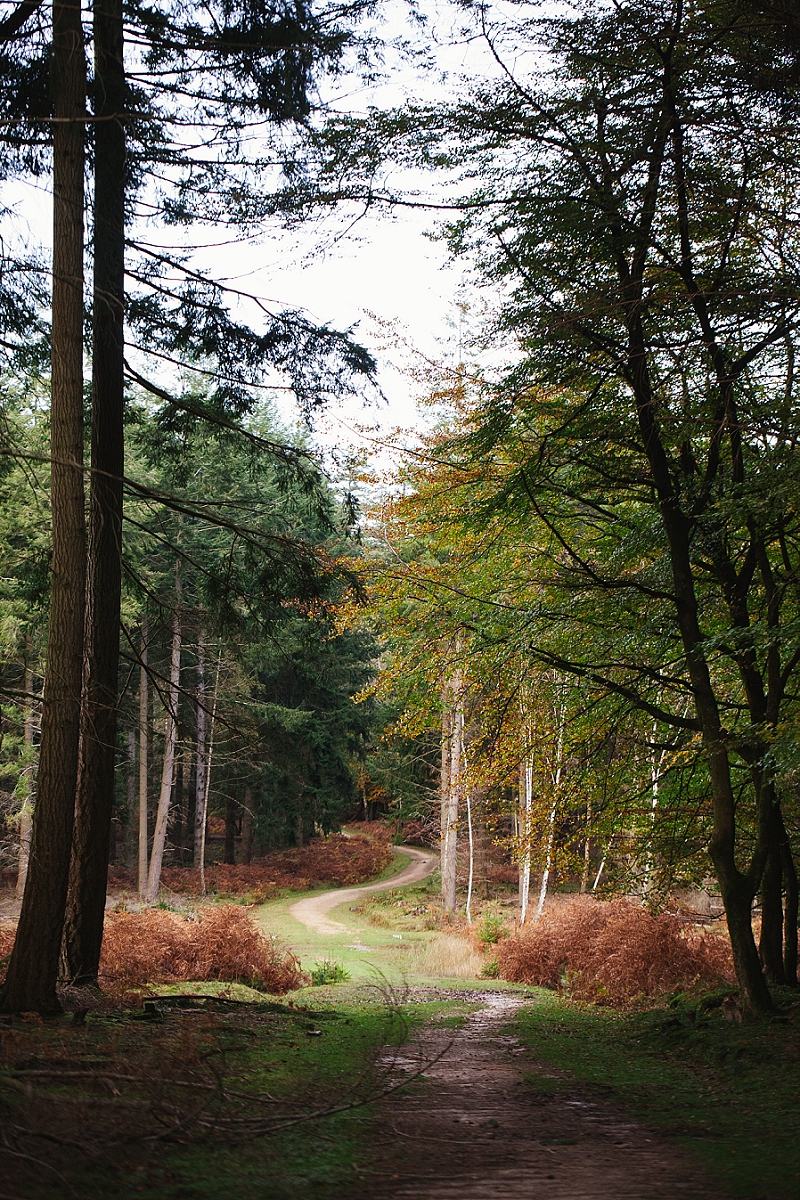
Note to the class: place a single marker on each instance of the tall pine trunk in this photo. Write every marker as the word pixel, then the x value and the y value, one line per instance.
pixel 247 827
pixel 83 930
pixel 170 742
pixel 144 729
pixel 25 817
pixel 33 969
pixel 201 765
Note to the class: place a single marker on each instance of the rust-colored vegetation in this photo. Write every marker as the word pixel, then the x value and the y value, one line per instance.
pixel 222 943
pixel 335 860
pixel 613 952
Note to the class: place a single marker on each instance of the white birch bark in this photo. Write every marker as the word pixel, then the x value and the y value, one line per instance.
pixel 524 822
pixel 170 740
pixel 558 766
pixel 454 786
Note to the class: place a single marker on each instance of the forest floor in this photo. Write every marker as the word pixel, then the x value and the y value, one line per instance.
pixel 411 1080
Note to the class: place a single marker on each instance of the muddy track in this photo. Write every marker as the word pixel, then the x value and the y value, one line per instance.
pixel 482 1125
pixel 313 911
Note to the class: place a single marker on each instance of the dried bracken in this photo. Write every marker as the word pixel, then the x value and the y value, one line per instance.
pixel 223 944
pixel 613 952
pixel 337 860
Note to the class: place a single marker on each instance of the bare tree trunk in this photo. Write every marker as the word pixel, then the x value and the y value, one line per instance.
pixel 454 788
pixel 25 821
pixel 247 827
pixel 200 768
pixel 130 827
pixel 525 832
pixel 33 969
pixel 444 788
pixel 207 787
pixel 551 824
pixel 94 805
pixel 229 853
pixel 471 838
pixel 170 739
pixel 587 848
pixel 144 723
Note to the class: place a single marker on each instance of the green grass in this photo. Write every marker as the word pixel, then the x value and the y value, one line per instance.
pixel 729 1093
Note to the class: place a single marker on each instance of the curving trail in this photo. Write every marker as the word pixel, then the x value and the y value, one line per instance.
pixel 312 912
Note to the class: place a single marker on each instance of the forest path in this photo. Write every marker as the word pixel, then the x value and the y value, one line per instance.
pixel 313 910
pixel 487 1122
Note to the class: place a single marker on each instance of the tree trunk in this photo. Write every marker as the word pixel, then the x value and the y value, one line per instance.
pixel 144 723
pixel 229 854
pixel 790 916
pixel 33 969
pixel 587 848
pixel 131 824
pixel 454 788
pixel 298 828
pixel 25 822
pixel 247 827
pixel 770 946
pixel 524 821
pixel 170 739
pixel 200 768
pixel 83 931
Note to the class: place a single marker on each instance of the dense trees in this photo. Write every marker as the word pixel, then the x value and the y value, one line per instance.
pixel 632 208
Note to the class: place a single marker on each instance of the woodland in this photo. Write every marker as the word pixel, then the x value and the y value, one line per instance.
pixel 555 644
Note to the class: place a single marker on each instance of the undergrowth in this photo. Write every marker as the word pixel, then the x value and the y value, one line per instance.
pixel 613 952
pixel 335 860
pixel 222 943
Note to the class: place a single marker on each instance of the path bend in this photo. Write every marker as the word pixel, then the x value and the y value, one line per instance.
pixel 312 911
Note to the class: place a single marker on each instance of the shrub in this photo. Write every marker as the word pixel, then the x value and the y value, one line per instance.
pixel 613 952
pixel 328 971
pixel 223 944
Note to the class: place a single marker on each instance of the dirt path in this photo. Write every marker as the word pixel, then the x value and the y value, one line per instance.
pixel 476 1129
pixel 312 912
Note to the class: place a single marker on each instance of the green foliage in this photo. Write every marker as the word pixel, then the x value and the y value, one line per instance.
pixel 328 971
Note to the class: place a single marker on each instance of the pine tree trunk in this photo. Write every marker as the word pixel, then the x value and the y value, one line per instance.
pixel 200 769
pixel 144 730
pixel 130 796
pixel 170 741
pixel 247 827
pixel 83 931
pixel 25 820
pixel 33 969
pixel 229 854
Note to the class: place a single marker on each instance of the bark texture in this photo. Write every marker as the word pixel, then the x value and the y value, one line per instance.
pixel 83 931
pixel 33 969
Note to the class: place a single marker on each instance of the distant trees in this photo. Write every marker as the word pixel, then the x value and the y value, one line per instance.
pixel 631 206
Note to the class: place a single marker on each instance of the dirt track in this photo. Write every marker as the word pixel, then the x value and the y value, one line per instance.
pixel 483 1125
pixel 312 912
